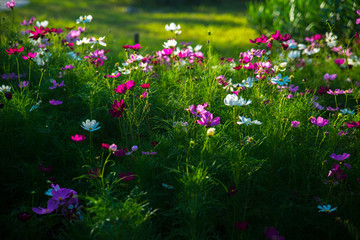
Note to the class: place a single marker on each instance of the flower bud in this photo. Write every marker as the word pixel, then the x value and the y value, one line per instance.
pixel 210 132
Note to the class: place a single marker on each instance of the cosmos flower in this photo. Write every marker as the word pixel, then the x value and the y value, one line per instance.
pixel 247 121
pixel 340 157
pixel 320 122
pixel 78 138
pixel 51 206
pixel 208 120
pixel 234 100
pixel 326 208
pixel 294 124
pixel 84 19
pixel 55 102
pixel 90 125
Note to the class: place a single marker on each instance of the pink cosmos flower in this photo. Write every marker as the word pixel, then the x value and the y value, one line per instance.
pixel 208 120
pixel 78 138
pixel 320 122
pixel 114 75
pixel 10 4
pixel 13 51
pixel 121 89
pixel 295 124
pixel 55 102
pixel 358 19
pixel 353 124
pixel 340 157
pixel 149 153
pixel 51 206
pixel 29 56
pixel 331 77
pixel 24 84
pixel 272 234
pixel 105 146
pixel 68 67
pixel 143 95
pixel 130 84
pixel 339 61
pixel 56 85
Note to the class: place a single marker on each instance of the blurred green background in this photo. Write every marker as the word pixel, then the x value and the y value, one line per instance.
pixel 119 20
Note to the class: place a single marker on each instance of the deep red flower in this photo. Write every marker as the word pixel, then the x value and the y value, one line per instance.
pixel 145 85
pixel 241 225
pixel 118 108
pixel 24 216
pixel 232 190
pixel 154 143
pixel 44 169
pixel 127 176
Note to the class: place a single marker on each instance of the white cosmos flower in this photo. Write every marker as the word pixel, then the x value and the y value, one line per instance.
pixel 229 87
pixel 43 23
pixel 84 19
pixel 170 43
pixel 90 125
pixel 247 121
pixel 233 100
pixel 330 39
pixel 172 27
pixel 5 88
pixel 83 41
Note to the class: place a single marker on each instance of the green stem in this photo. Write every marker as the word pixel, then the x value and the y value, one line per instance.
pixel 37 96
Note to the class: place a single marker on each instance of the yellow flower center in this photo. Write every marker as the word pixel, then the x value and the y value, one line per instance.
pixel 60 198
pixel 90 128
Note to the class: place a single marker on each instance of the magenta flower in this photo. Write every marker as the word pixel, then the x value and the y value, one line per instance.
pixel 114 75
pixel 29 56
pixel 13 51
pixel 44 169
pixel 232 190
pixel 68 67
pixel 55 102
pixel 320 122
pixel 127 176
pixel 56 85
pixel 340 157
pixel 143 95
pixel 62 194
pixel 24 84
pixel 118 108
pixel 332 109
pixel 78 138
pixel 339 61
pixel 295 124
pixel 10 4
pixel 51 206
pixel 208 120
pixel 105 146
pixel 331 77
pixel 130 84
pixel 353 124
pixel 149 153
pixel 121 89
pixel 272 234
pixel 358 19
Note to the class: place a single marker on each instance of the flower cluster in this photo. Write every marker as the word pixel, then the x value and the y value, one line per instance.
pixel 206 118
pixel 63 200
